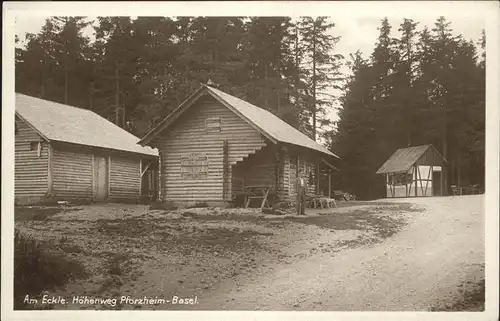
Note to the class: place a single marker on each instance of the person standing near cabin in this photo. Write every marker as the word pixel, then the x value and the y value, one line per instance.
pixel 301 194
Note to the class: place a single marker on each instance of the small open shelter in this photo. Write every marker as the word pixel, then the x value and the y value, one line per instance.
pixel 414 171
pixel 215 147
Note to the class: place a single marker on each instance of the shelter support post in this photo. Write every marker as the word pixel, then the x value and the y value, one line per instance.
pixel 317 179
pixel 415 177
pixel 441 181
pixel 225 170
pixel 297 194
pixel 143 171
pixel 329 183
pixel 429 177
pixel 161 183
pixel 421 183
pixel 50 170
pixel 140 179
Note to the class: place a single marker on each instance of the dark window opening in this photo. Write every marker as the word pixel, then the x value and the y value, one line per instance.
pixel 400 179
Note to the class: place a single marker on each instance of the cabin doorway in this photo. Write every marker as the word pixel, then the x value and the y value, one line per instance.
pixel 101 179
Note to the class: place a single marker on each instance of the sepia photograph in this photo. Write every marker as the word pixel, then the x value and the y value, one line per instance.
pixel 292 160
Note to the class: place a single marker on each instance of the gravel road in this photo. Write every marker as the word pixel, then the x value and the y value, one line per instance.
pixel 423 267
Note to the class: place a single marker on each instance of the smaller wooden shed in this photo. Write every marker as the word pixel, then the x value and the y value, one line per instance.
pixel 68 153
pixel 414 171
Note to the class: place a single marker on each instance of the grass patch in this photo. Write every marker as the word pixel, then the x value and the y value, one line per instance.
pixel 37 269
pixel 341 204
pixel 472 300
pixel 130 227
pixel 356 220
pixel 39 213
pixel 70 248
pixel 223 217
pixel 220 239
pixel 199 205
pixel 35 213
pixel 116 263
pixel 157 205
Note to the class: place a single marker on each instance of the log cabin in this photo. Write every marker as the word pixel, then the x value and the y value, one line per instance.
pixel 215 146
pixel 68 153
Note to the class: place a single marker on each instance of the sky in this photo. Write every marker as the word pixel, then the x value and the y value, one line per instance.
pixel 357 33
pixel 356 26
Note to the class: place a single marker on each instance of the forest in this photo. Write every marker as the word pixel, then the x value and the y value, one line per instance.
pixel 424 86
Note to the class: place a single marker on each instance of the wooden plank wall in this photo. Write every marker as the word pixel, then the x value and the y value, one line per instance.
pixel 30 170
pixel 430 157
pixel 292 178
pixel 284 192
pixel 305 165
pixel 259 168
pixel 280 168
pixel 190 136
pixel 125 178
pixel 72 174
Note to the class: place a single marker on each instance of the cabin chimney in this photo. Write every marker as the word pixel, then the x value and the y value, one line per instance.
pixel 212 84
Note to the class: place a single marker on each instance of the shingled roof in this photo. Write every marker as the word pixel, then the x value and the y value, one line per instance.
pixel 404 158
pixel 63 123
pixel 268 124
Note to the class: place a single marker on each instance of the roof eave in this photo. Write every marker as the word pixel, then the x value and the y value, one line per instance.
pixel 251 123
pixel 33 127
pixel 103 148
pixel 163 124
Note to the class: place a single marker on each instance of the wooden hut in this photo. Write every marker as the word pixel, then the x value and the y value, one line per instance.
pixel 215 146
pixel 68 153
pixel 414 171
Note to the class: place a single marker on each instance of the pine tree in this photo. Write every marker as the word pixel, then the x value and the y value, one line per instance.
pixel 157 53
pixel 321 67
pixel 270 60
pixel 36 65
pixel 116 69
pixel 404 98
pixel 72 49
pixel 354 138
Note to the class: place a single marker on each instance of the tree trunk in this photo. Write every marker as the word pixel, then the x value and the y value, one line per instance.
pixel 408 75
pixel 117 99
pixel 266 86
pixel 43 80
pixel 297 65
pixel 278 85
pixel 458 167
pixel 445 146
pixel 66 78
pixel 91 96
pixel 65 67
pixel 314 81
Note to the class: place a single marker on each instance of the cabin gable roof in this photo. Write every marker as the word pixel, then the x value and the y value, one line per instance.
pixel 268 124
pixel 63 123
pixel 404 158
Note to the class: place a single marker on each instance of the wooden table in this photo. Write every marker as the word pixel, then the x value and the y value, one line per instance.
pixel 259 192
pixel 320 201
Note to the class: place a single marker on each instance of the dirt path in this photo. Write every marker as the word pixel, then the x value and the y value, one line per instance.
pixel 423 267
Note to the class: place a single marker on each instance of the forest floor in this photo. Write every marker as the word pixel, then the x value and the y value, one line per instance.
pixel 363 256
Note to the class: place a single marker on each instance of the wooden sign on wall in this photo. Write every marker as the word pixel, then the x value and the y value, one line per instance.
pixel 194 166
